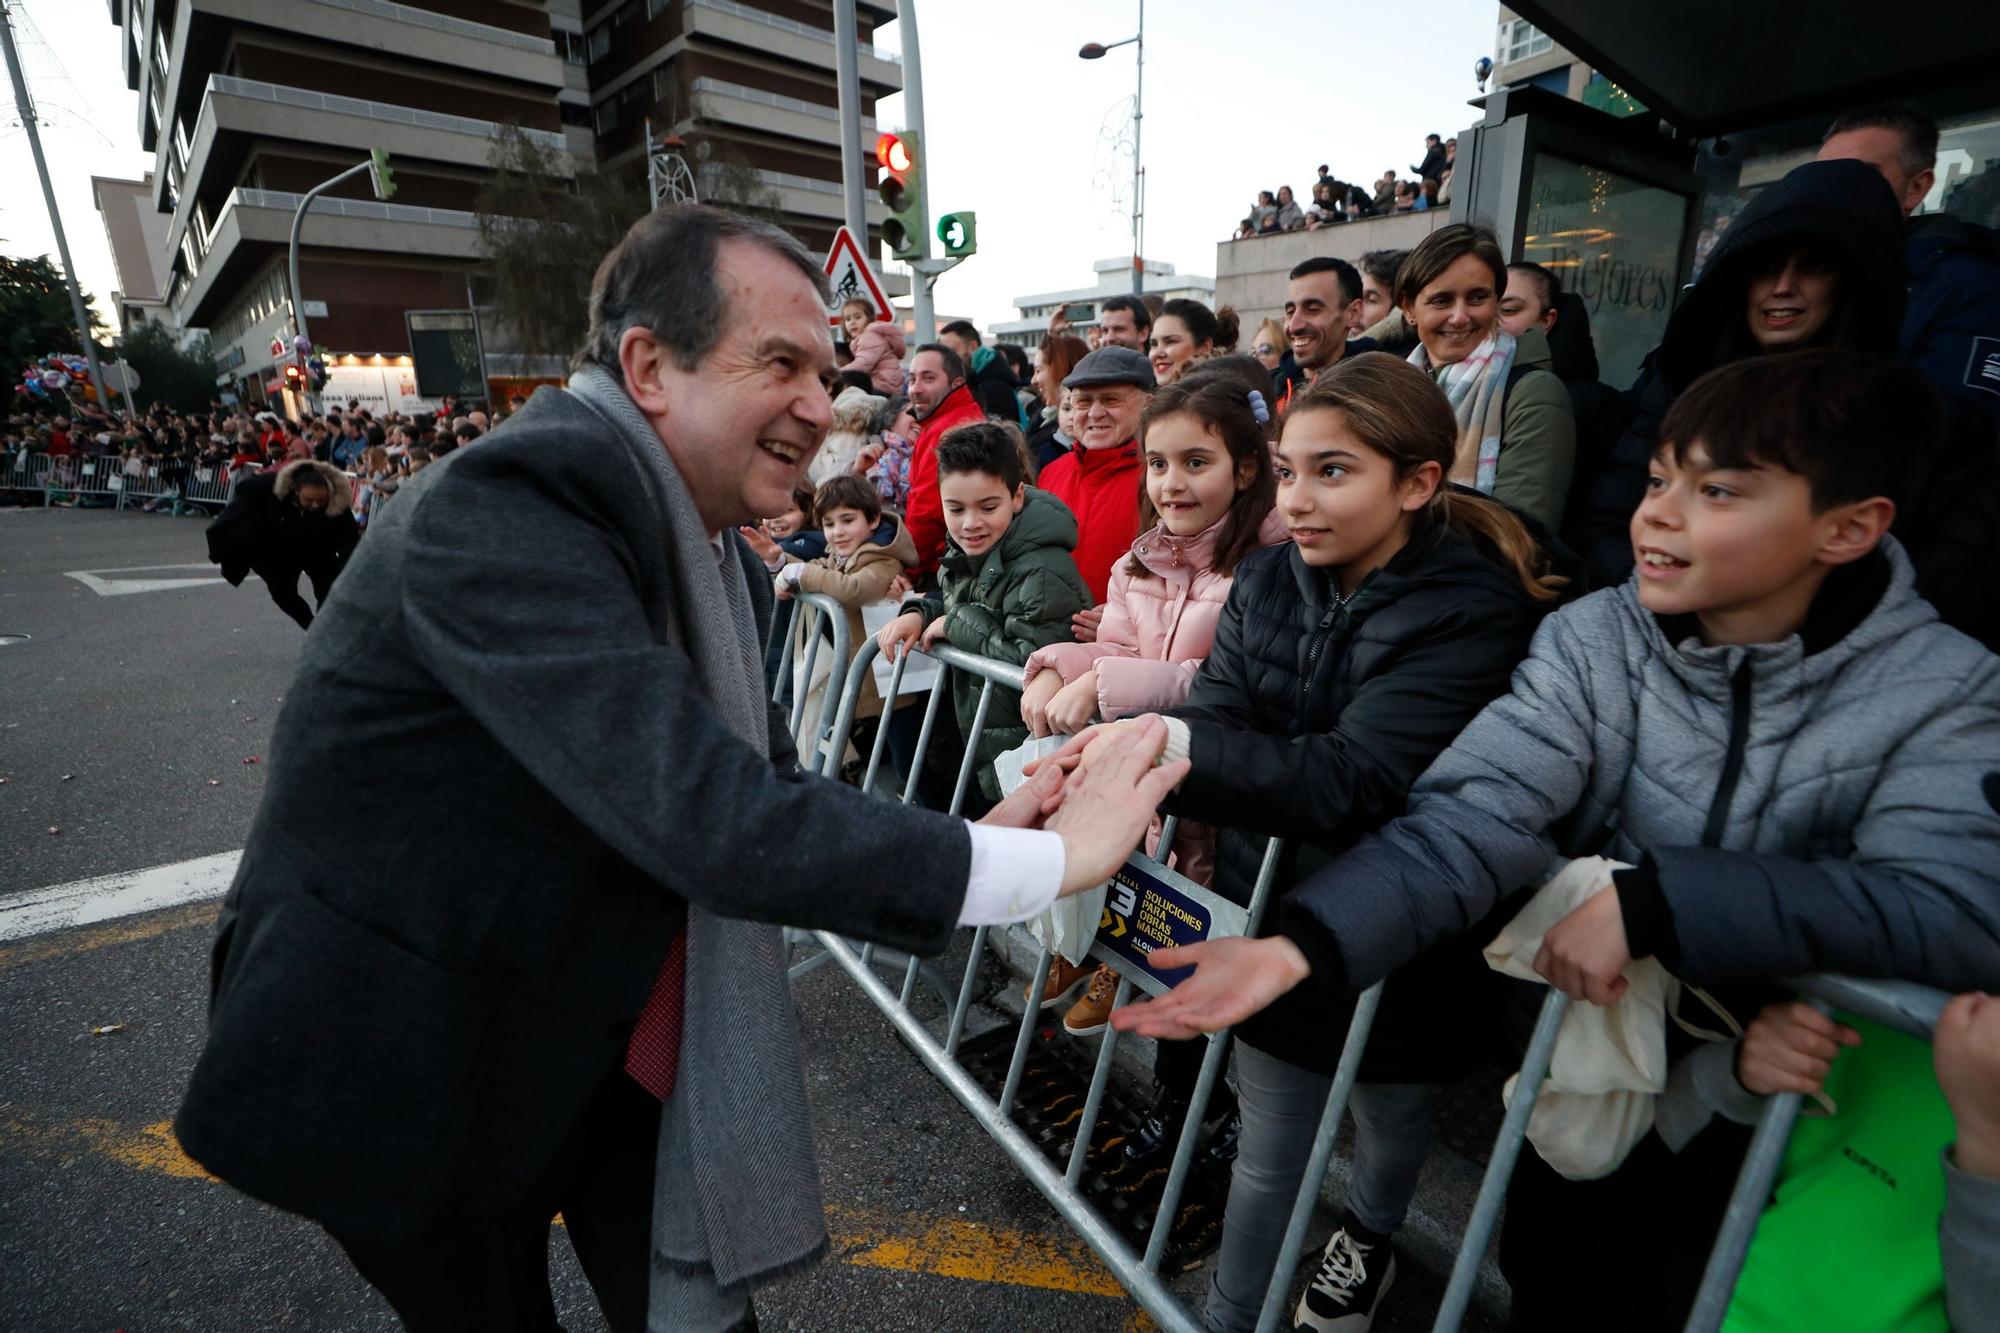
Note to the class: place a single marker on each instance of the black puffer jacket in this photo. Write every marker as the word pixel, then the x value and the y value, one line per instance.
pixel 1310 721
pixel 1843 209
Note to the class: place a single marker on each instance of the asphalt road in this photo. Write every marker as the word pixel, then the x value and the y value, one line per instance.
pixel 126 723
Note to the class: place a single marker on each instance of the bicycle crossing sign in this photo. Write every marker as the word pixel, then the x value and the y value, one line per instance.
pixel 852 278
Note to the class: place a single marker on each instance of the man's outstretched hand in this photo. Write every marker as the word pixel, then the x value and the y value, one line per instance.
pixel 1106 808
pixel 1233 979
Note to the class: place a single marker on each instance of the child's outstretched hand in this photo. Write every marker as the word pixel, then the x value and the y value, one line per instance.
pixel 1075 707
pixel 760 541
pixel 1035 702
pixel 900 635
pixel 1233 979
pixel 932 633
pixel 1585 953
pixel 1790 1048
pixel 1966 1048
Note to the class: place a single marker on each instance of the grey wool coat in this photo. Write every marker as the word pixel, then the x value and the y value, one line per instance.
pixel 1825 803
pixel 493 790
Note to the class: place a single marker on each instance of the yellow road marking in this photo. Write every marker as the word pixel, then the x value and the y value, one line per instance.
pixel 123 932
pixel 950 1247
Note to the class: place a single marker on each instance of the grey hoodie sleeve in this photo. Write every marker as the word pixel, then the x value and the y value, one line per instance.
pixel 1476 828
pixel 1969 1243
pixel 1917 898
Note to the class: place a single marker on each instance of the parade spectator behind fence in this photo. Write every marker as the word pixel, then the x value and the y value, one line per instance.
pixel 1516 436
pixel 877 347
pixel 279 525
pixel 1289 217
pixel 1535 299
pixel 433 1038
pixel 1098 479
pixel 1007 586
pixel 1320 299
pixel 1380 319
pixel 1768 725
pixel 1186 331
pixel 1434 158
pixel 1050 438
pixel 1207 504
pixel 1406 604
pixel 940 401
pixel 1270 347
pixel 987 374
pixel 865 552
pixel 1124 321
pixel 885 460
pixel 1817 260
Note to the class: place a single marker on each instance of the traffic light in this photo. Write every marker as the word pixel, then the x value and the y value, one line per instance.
pixel 379 175
pixel 902 190
pixel 960 234
pixel 295 377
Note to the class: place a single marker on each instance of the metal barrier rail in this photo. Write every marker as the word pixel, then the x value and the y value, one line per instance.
pixel 827 611
pixel 105 476
pixel 1908 1008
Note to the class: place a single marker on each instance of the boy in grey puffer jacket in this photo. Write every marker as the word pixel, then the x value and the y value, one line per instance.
pixel 1801 762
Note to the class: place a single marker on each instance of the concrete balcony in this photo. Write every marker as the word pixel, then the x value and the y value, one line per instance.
pixel 738 25
pixel 1250 273
pixel 808 196
pixel 738 106
pixel 253 220
pixel 234 111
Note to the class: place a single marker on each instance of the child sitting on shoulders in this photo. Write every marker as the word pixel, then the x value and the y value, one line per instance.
pixel 1007 585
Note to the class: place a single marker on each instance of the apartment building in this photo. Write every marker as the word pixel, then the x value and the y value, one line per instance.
pixel 137 234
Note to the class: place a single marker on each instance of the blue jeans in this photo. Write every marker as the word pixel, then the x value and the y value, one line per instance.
pixel 1282 1104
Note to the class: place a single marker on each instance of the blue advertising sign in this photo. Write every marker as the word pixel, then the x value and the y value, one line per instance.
pixel 1150 907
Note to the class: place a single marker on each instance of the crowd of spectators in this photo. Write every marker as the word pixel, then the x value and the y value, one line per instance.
pixel 1334 201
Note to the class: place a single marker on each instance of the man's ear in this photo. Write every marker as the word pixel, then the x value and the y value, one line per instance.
pixel 1856 529
pixel 643 360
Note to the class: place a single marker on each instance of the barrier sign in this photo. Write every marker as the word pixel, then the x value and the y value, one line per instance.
pixel 1148 907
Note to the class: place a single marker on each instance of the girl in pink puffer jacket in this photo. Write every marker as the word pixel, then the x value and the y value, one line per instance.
pixel 876 346
pixel 1206 502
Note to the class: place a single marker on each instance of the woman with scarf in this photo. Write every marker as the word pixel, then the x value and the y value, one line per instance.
pixel 1516 434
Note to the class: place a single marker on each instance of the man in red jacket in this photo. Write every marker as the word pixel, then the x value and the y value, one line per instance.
pixel 1099 478
pixel 940 401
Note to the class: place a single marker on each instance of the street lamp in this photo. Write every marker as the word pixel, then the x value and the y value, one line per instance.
pixel 1095 51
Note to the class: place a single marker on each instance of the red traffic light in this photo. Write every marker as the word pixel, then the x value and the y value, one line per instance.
pixel 294 376
pixel 894 154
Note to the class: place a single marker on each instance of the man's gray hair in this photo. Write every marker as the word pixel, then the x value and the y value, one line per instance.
pixel 662 277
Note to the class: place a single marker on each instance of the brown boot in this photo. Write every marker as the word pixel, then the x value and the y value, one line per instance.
pixel 1064 978
pixel 1092 1013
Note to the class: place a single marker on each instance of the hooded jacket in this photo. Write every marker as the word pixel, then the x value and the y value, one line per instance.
pixel 996 386
pixel 853 413
pixel 925 512
pixel 1825 803
pixel 1311 719
pixel 878 354
pixel 1005 604
pixel 862 579
pixel 1842 207
pixel 1101 487
pixel 261 529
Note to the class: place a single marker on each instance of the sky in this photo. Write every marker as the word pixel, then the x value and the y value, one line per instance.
pixel 1241 96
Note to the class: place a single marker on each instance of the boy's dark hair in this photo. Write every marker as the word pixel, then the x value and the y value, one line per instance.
pixel 954 365
pixel 848 491
pixel 1344 273
pixel 1853 426
pixel 802 500
pixel 1918 131
pixel 1381 265
pixel 1142 317
pixel 854 379
pixel 963 328
pixel 980 447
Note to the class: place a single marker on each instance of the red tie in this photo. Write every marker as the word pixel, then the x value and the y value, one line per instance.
pixel 653 1056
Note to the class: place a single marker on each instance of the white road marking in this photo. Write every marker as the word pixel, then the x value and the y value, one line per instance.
pixel 108 897
pixel 121 587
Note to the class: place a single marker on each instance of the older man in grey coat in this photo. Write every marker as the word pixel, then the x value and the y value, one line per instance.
pixel 434 1023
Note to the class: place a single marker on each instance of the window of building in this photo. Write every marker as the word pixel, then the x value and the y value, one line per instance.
pixel 654 8
pixel 607 115
pixel 574 113
pixel 1520 39
pixel 571 46
pixel 666 88
pixel 598 44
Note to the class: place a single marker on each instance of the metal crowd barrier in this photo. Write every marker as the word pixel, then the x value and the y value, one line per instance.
pixel 1907 1008
pixel 828 747
pixel 106 478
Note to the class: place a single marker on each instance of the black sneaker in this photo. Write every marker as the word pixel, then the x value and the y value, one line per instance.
pixel 1354 1274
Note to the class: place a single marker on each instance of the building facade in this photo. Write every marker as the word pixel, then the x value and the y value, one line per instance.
pixel 248 104
pixel 1114 278
pixel 137 234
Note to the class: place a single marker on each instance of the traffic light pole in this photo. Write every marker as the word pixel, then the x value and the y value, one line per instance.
pixel 913 117
pixel 77 311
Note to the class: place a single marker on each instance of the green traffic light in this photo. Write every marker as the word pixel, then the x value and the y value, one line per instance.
pixel 959 232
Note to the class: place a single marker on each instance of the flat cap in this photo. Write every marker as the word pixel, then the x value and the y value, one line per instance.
pixel 1111 365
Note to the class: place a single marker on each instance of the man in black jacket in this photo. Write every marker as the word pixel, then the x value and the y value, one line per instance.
pixel 431 1038
pixel 987 375
pixel 279 525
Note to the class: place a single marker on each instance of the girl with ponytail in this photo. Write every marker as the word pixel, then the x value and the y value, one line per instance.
pixel 1344 662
